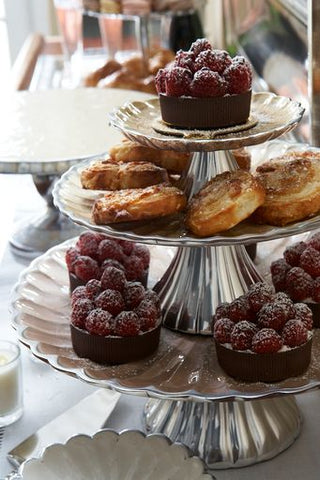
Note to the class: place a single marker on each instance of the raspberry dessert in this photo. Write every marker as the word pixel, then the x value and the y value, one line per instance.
pixel 298 274
pixel 263 336
pixel 93 252
pixel 205 88
pixel 114 320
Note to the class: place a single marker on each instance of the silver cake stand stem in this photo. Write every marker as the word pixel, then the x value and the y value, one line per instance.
pixel 227 434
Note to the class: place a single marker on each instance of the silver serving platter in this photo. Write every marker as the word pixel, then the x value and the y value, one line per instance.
pixel 46 131
pixel 108 454
pixel 274 115
pixel 76 203
pixel 184 366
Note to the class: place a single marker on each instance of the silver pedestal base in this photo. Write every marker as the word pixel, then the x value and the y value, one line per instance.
pixel 227 434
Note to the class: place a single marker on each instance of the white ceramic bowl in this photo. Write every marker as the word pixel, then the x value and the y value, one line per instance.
pixel 108 455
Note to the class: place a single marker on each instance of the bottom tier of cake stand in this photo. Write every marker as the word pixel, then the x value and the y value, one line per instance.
pixel 229 434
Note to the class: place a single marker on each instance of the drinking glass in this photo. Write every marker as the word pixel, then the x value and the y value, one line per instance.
pixel 69 17
pixel 10 383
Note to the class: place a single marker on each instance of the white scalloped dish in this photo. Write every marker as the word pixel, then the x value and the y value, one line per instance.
pixel 112 456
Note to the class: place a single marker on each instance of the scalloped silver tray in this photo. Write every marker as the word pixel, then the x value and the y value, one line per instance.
pixel 76 203
pixel 184 367
pixel 275 115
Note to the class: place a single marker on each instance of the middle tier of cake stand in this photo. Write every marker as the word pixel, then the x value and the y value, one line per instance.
pixel 224 432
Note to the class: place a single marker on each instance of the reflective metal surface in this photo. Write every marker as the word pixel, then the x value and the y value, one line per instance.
pixel 228 434
pixel 274 116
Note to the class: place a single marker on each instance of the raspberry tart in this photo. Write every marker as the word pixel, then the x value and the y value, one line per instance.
pixel 113 320
pixel 263 336
pixel 298 274
pixel 93 252
pixel 205 88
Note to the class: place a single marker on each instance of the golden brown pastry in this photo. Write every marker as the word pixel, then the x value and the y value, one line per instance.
pixel 223 202
pixel 110 175
pixel 129 151
pixel 107 69
pixel 138 204
pixel 110 6
pixel 160 59
pixel 292 184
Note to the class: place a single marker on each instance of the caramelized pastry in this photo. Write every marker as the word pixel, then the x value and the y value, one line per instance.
pixel 138 204
pixel 292 184
pixel 110 175
pixel 242 157
pixel 129 151
pixel 223 202
pixel 108 68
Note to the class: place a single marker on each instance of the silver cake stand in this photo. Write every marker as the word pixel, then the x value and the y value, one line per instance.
pixel 192 400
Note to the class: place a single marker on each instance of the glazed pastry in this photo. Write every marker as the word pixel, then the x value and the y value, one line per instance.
pixel 159 60
pixel 110 175
pixel 242 157
pixel 129 151
pixel 136 7
pixel 108 68
pixel 292 185
pixel 174 5
pixel 138 204
pixel 110 6
pixel 223 202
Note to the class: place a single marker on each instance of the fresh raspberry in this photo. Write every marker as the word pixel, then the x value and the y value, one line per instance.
pixel 127 324
pixel 113 279
pixel 99 322
pixel 154 298
pixel 110 249
pixel 222 311
pixel 185 60
pixel 143 253
pixel 273 315
pixel 101 236
pixel 310 261
pixel 79 292
pixel 215 60
pixel 238 76
pixel 133 267
pixel 294 333
pixel 133 294
pixel 259 293
pixel 160 80
pixel 293 253
pixel 71 255
pixel 316 290
pixel 266 340
pixel 279 269
pixel 241 335
pixel 86 268
pixel 80 311
pixel 284 299
pixel 110 300
pixel 314 241
pixel 222 329
pixel 239 309
pixel 304 314
pixel 206 83
pixel 126 246
pixel 110 262
pixel 87 244
pixel 299 284
pixel 148 315
pixel 200 45
pixel 178 81
pixel 93 288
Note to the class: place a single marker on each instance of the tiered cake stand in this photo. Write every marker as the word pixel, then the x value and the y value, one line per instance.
pixel 192 400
